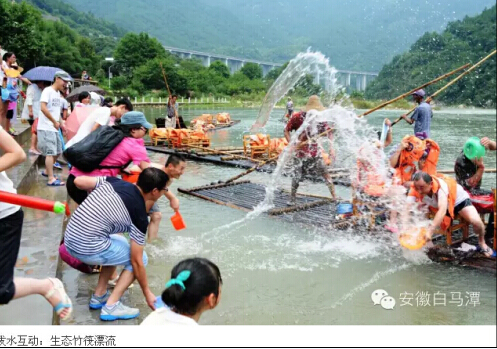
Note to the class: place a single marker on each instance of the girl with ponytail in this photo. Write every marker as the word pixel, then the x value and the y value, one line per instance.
pixel 194 287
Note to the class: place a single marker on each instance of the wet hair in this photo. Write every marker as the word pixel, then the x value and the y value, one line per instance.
pixel 205 279
pixel 152 178
pixel 83 95
pixel 422 175
pixel 126 102
pixel 7 55
pixel 379 134
pixel 174 159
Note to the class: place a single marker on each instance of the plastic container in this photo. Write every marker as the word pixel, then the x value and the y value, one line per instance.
pixel 345 209
pixel 178 222
pixel 159 303
pixel 413 238
pixel 132 177
pixel 473 148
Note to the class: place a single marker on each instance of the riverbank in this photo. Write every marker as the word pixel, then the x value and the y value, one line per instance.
pixel 299 103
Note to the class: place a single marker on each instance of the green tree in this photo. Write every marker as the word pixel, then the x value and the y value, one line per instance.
pixel 275 73
pixel 150 75
pixel 19 32
pixel 220 68
pixel 119 83
pixel 252 71
pixel 465 41
pixel 134 49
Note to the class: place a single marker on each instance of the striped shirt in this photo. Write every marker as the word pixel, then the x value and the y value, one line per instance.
pixel 113 207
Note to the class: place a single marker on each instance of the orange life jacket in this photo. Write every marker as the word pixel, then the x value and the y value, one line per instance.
pixel 451 197
pixel 430 165
pixel 414 153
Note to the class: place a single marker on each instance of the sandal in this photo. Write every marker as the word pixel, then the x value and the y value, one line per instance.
pixel 65 302
pixel 488 252
pixel 56 183
pixel 44 174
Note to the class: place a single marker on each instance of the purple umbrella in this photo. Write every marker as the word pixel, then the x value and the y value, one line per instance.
pixel 41 73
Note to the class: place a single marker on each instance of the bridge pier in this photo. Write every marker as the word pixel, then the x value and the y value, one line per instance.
pixel 364 83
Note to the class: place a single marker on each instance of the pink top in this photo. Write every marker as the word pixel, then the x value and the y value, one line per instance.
pixel 130 149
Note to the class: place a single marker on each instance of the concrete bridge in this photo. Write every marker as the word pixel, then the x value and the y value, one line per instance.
pixel 356 80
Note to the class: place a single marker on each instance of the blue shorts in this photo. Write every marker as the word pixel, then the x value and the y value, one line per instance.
pixel 118 253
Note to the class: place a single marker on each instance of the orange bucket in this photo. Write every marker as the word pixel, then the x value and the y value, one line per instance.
pixel 413 238
pixel 131 177
pixel 178 222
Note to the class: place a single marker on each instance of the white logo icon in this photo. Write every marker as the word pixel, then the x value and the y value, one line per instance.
pixel 387 303
pixel 381 297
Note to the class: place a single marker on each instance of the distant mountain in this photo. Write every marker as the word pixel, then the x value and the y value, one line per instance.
pixel 102 33
pixel 434 54
pixel 355 34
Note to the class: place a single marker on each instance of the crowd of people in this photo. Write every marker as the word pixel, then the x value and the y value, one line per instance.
pixel 118 213
pixel 412 172
pixel 101 239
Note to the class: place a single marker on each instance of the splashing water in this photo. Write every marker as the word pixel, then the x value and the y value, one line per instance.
pixel 302 64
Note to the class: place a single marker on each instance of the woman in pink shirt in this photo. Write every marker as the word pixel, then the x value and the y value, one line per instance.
pixel 131 149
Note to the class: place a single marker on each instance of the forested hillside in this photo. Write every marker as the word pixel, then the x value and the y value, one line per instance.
pixel 355 34
pixel 103 34
pixel 434 54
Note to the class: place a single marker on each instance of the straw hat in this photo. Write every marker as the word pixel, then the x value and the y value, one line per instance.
pixel 313 103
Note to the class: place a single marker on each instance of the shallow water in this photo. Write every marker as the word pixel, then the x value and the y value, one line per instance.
pixel 275 272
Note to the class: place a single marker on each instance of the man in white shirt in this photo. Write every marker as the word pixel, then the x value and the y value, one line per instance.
pixel 49 141
pixel 100 117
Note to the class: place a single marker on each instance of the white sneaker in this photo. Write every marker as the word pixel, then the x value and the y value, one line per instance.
pixel 118 312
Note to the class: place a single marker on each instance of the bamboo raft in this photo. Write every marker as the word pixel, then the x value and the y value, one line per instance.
pixel 321 212
pixel 245 195
pixel 221 126
pixel 225 160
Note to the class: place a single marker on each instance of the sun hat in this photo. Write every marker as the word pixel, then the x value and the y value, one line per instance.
pixel 313 103
pixel 135 118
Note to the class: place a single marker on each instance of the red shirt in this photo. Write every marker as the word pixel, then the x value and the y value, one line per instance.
pixel 309 149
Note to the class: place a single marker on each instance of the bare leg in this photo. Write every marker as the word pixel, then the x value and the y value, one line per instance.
pixel 103 280
pixel 470 215
pixel 27 287
pixel 34 142
pixel 49 161
pixel 153 227
pixel 127 277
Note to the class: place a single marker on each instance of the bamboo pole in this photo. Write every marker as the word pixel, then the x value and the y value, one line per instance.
pixel 490 170
pixel 232 179
pixel 327 131
pixel 414 90
pixel 453 81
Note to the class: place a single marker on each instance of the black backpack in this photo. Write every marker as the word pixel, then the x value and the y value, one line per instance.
pixel 87 154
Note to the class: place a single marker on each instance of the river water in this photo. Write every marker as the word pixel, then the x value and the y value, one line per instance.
pixel 275 272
